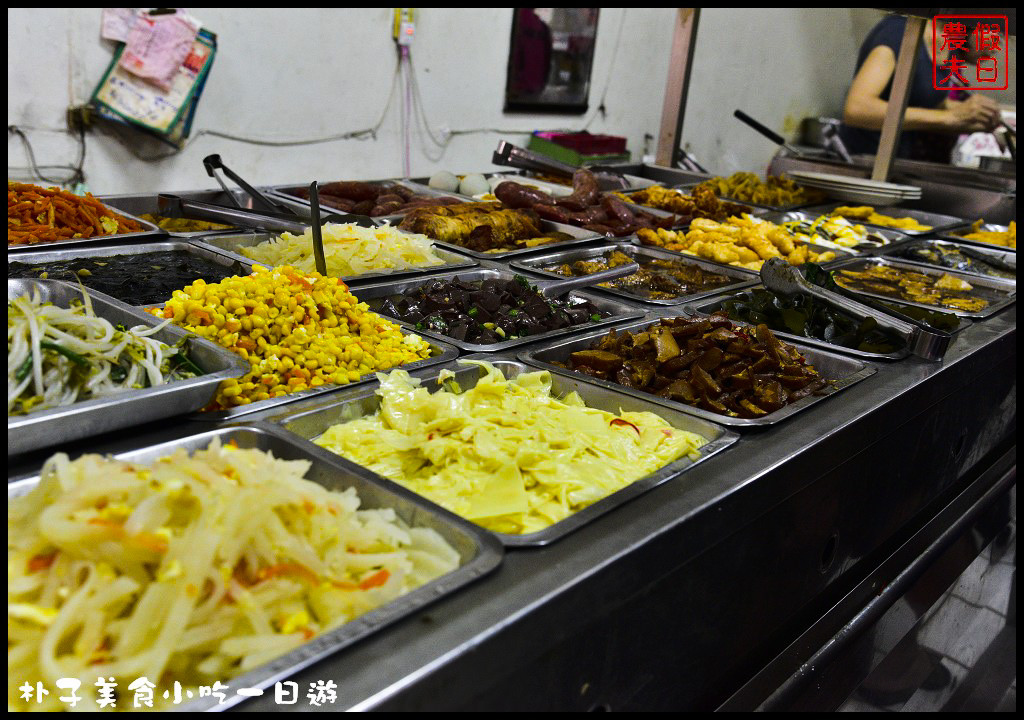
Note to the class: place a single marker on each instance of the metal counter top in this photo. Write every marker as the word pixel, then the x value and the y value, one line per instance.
pixel 678 598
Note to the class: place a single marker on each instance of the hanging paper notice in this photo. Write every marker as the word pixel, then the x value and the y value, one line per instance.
pixel 157 46
pixel 138 101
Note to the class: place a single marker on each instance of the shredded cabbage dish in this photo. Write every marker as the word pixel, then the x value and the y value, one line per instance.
pixel 506 454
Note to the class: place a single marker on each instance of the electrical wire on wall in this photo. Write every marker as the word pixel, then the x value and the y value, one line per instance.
pixel 433 143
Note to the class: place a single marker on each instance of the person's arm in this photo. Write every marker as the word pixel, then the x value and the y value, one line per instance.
pixel 865 108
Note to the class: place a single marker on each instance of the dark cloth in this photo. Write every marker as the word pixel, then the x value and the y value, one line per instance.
pixel 917 145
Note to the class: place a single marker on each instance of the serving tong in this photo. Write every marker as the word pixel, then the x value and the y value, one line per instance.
pixel 562 287
pixel 509 155
pixel 784 279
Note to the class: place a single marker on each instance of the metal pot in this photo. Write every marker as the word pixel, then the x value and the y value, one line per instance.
pixel 813 131
pixel 998 164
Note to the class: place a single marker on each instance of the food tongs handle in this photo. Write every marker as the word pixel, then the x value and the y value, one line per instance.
pixel 509 155
pixel 212 163
pixel 561 287
pixel 175 206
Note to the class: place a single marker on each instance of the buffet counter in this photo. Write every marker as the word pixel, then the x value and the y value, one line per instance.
pixel 693 594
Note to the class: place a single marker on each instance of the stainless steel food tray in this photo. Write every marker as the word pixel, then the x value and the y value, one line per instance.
pixel 374 296
pixel 999 293
pixel 151 232
pixel 688 188
pixel 234 265
pixel 1008 258
pixel 935 220
pixel 955 235
pixel 148 203
pixel 440 352
pixel 903 330
pixel 659 212
pixel 285 194
pixel 840 371
pixel 311 419
pixel 538 264
pixel 840 255
pixel 126 409
pixel 479 552
pixel 892 238
pixel 579 236
pixel 230 245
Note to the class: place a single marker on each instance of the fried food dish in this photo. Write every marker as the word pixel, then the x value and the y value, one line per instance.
pixel 657 279
pixel 744 241
pixel 866 213
pixel 1007 238
pixel 778 191
pixel 702 203
pixel 37 215
pixel 483 227
pixel 708 363
pixel 907 285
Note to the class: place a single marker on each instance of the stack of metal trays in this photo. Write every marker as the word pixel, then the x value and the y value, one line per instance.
pixel 97 263
pixel 148 204
pixel 375 295
pixel 972 259
pixel 311 419
pixel 542 265
pixel 957 235
pixel 479 551
pixel 839 371
pixel 126 409
pixel 997 293
pixel 230 246
pixel 936 222
pixel 290 195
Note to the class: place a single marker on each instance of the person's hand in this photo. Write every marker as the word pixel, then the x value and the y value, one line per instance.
pixel 976 114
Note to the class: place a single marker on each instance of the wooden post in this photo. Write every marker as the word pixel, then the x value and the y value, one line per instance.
pixel 892 125
pixel 672 112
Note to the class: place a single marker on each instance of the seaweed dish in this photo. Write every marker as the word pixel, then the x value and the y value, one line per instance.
pixel 143 279
pixel 806 316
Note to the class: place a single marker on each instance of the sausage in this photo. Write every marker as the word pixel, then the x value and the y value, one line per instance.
pixel 617 209
pixel 554 213
pixel 584 187
pixel 357 191
pixel 516 196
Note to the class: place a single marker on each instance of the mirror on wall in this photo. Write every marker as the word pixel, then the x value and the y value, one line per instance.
pixel 550 59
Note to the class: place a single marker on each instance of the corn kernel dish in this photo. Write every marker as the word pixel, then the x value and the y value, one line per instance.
pixel 297 331
pixel 744 241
